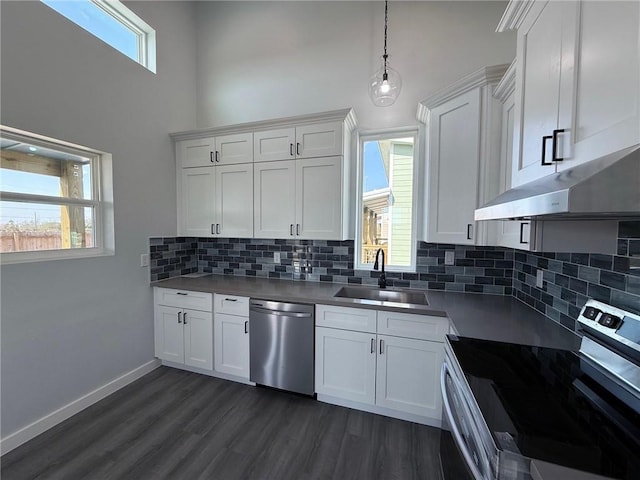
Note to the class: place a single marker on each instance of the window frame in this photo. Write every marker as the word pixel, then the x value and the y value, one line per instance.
pixel 145 34
pixel 101 201
pixel 405 132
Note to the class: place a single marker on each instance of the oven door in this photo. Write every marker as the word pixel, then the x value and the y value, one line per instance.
pixel 462 455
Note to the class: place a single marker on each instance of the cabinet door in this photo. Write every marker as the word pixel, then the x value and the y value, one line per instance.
pixel 197 152
pixel 237 148
pixel 196 212
pixel 538 83
pixel 319 198
pixel 607 76
pixel 346 364
pixel 273 145
pixel 234 200
pixel 516 234
pixel 198 339
pixel 408 374
pixel 231 334
pixel 454 157
pixel 168 334
pixel 274 199
pixel 319 140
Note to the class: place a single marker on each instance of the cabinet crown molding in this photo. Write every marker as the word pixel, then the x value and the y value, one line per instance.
pixel 482 77
pixel 346 115
pixel 507 85
pixel 514 14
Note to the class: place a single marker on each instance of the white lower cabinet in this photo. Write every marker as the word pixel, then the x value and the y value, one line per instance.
pixel 183 335
pixel 408 375
pixel 231 335
pixel 346 364
pixel 395 373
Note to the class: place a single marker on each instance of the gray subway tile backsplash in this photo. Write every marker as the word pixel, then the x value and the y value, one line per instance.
pixel 569 278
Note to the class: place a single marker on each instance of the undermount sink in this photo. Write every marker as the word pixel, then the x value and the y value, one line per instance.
pixel 383 295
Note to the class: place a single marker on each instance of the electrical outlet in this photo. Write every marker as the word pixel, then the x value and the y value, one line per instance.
pixel 276 257
pixel 449 257
pixel 539 278
pixel 144 260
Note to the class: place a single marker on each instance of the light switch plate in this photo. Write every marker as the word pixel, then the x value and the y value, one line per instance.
pixel 144 260
pixel 449 257
pixel 276 257
pixel 539 278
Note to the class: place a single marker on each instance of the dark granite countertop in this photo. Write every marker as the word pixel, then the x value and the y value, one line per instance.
pixel 490 317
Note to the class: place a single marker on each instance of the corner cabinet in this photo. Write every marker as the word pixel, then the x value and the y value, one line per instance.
pixel 183 327
pixel 463 132
pixel 286 178
pixel 577 94
pixel 379 361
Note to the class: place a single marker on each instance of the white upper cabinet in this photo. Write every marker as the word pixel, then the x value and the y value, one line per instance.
pixel 285 178
pixel 305 141
pixel 577 83
pixel 463 138
pixel 216 201
pixel 221 150
pixel 270 145
pixel 605 114
pixel 299 199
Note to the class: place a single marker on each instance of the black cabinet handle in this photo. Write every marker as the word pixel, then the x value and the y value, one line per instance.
pixel 469 231
pixel 554 150
pixel 217 228
pixel 381 346
pixel 297 229
pixel 291 149
pixel 544 150
pixel 298 148
pixel 230 299
pixel 246 326
pixel 291 229
pixel 522 224
pixel 217 156
pixel 211 157
pixel 213 232
pixel 184 318
pixel 179 317
pixel 181 293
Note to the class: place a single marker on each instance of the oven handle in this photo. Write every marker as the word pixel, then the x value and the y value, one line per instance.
pixel 454 427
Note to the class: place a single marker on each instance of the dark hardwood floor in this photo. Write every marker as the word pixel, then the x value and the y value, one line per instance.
pixel 179 425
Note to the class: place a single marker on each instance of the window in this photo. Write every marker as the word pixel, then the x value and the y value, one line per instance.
pixel 386 205
pixel 53 199
pixel 114 24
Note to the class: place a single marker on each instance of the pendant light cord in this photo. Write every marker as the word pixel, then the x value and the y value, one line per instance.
pixel 386 18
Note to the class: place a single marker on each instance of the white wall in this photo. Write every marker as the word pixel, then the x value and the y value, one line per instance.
pixel 71 326
pixel 261 60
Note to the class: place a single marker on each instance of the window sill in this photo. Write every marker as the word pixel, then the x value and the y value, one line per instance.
pixel 50 255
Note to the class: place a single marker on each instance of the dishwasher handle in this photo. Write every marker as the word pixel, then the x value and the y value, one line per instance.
pixel 279 313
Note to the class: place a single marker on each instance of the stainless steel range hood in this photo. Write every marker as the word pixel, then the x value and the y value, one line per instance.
pixel 607 187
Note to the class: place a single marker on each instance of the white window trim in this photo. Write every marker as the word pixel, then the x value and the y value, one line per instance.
pixel 416 133
pixel 102 194
pixel 146 35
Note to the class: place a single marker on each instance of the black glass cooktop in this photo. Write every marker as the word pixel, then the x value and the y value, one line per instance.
pixel 551 405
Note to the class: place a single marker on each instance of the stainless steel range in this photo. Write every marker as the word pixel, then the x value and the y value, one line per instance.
pixel 528 412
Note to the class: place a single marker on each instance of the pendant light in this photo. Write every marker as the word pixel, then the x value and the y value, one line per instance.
pixel 385 84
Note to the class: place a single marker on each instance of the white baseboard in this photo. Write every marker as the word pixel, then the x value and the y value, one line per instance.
pixel 387 412
pixel 43 424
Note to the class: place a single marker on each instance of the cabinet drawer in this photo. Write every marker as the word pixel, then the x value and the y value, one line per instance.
pixel 183 299
pixel 231 304
pixel 345 318
pixel 423 327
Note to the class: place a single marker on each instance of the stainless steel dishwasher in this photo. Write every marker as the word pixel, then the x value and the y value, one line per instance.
pixel 281 339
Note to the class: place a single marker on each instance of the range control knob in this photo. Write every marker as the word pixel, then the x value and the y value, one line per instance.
pixel 591 313
pixel 608 320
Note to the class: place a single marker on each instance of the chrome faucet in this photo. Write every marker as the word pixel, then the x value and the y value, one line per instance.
pixel 382 281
